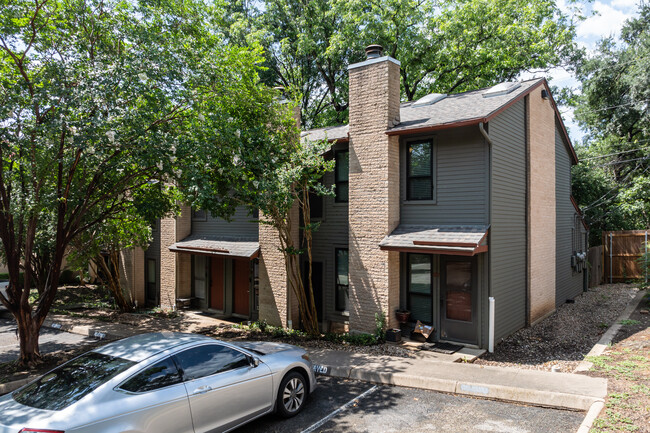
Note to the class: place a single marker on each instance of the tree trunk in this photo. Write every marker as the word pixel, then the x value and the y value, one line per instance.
pixel 28 333
pixel 112 280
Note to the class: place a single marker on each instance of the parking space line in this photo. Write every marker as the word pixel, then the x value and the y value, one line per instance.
pixel 314 426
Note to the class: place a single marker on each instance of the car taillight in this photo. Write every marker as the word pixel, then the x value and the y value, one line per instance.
pixel 39 430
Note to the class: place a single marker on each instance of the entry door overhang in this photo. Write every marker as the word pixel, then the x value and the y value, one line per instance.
pixel 218 246
pixel 467 240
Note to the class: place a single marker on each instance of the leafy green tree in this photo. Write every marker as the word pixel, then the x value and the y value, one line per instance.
pixel 612 184
pixel 99 100
pixel 272 172
pixel 444 46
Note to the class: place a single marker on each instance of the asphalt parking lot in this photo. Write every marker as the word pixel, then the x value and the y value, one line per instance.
pixel 353 406
pixel 50 340
pixel 345 405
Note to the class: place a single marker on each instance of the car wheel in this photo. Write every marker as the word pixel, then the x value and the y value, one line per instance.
pixel 292 395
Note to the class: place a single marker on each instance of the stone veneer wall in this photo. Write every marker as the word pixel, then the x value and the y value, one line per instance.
pixel 541 206
pixel 373 191
pixel 175 271
pixel 275 298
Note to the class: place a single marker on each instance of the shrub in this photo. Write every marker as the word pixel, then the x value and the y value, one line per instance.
pixel 68 277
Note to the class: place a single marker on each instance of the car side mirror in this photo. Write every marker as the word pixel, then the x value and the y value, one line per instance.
pixel 254 361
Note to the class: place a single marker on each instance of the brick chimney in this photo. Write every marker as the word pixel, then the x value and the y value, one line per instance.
pixel 374 98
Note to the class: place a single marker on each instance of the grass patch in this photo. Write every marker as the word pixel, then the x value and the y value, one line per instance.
pixel 625 368
pixel 629 322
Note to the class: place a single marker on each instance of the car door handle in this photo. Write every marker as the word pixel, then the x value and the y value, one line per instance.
pixel 201 390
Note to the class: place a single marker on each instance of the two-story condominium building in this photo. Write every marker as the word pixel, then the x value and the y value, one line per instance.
pixel 440 205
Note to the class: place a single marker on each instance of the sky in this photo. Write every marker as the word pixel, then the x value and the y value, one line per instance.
pixel 604 18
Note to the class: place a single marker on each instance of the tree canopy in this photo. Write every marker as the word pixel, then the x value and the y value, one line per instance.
pixel 613 179
pixel 444 46
pixel 104 108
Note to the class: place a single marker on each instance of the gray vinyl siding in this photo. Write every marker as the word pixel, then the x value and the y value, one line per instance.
pixel 460 184
pixel 568 282
pixel 508 237
pixel 331 234
pixel 242 225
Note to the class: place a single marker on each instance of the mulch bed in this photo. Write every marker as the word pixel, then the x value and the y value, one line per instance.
pixel 561 341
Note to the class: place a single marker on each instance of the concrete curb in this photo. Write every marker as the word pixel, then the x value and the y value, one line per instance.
pixel 88 331
pixel 593 413
pixel 609 335
pixel 6 388
pixel 489 391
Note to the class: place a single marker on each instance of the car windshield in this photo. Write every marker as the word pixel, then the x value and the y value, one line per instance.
pixel 70 382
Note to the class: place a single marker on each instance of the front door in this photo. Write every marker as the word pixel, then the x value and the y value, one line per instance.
pixel 217 283
pixel 151 288
pixel 241 286
pixel 459 298
pixel 200 284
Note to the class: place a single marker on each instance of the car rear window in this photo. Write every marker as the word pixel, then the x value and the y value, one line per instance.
pixel 71 381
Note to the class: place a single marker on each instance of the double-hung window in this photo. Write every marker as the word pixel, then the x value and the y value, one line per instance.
pixel 419 170
pixel 341 175
pixel 342 279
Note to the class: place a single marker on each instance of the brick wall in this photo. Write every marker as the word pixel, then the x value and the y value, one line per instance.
pixel 175 271
pixel 374 191
pixel 275 298
pixel 541 207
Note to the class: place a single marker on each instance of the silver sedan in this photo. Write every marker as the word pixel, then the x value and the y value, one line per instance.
pixel 163 382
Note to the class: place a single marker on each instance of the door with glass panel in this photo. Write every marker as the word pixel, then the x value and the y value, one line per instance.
pixel 151 288
pixel 459 299
pixel 200 281
pixel 420 287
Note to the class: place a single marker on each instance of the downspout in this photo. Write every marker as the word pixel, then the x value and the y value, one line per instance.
pixel 491 300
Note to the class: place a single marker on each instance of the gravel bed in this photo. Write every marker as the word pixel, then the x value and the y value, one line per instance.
pixel 562 340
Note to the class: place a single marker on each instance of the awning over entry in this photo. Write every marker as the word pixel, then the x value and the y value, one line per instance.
pixel 452 240
pixel 218 246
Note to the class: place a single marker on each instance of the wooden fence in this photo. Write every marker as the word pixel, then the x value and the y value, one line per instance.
pixel 621 253
pixel 595 260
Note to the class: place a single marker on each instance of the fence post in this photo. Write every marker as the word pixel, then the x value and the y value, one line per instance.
pixel 646 256
pixel 611 268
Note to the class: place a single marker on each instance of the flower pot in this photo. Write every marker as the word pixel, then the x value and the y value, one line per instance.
pixel 402 316
pixel 394 335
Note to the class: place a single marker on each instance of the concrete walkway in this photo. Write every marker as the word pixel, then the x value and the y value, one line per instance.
pixel 562 390
pixel 431 371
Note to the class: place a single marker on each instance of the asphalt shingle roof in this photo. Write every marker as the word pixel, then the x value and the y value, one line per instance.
pixel 218 246
pixel 453 109
pixel 439 237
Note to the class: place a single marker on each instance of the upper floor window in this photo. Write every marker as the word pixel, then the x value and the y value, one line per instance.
pixel 315 206
pixel 341 175
pixel 419 170
pixel 199 214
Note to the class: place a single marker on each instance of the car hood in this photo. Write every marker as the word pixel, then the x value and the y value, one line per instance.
pixel 265 347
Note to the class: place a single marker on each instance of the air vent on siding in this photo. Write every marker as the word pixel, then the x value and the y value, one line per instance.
pixel 429 99
pixel 502 88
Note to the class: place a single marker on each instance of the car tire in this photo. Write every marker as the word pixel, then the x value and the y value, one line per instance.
pixel 292 395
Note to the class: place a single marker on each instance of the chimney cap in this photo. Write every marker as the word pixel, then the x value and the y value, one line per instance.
pixel 374 51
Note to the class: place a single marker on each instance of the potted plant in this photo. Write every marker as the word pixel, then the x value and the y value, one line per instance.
pixel 402 315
